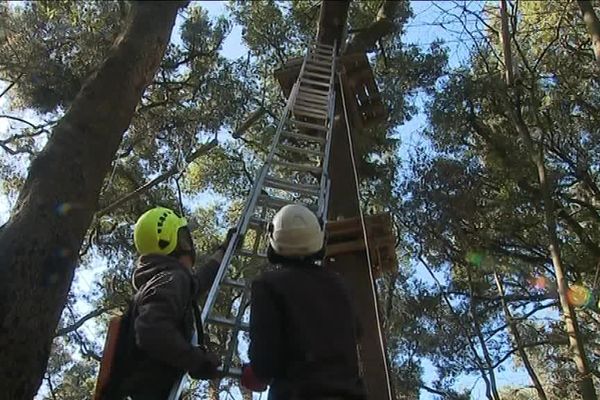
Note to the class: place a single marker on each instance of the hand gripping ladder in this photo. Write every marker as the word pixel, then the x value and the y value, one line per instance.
pixel 295 171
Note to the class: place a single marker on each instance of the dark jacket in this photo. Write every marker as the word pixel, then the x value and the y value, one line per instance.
pixel 160 350
pixel 303 332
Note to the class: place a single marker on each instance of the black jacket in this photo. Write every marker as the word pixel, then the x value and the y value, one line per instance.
pixel 159 349
pixel 303 333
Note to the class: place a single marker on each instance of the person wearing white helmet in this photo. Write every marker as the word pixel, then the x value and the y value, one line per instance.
pixel 303 328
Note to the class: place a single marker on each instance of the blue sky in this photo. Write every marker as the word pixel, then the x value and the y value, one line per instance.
pixel 419 31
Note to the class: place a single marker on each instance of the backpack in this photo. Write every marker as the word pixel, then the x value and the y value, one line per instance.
pixel 118 350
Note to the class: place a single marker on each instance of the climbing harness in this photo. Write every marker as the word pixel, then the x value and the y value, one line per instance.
pixel 295 171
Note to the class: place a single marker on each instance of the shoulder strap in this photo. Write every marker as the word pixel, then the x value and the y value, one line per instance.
pixel 198 323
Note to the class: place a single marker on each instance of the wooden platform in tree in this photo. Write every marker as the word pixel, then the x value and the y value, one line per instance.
pixel 346 236
pixel 288 74
pixel 365 106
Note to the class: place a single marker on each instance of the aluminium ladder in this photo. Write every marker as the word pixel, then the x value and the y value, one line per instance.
pixel 295 171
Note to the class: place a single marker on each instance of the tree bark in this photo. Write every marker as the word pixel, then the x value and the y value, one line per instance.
pixel 505 38
pixel 489 366
pixel 593 24
pixel 40 242
pixel 512 325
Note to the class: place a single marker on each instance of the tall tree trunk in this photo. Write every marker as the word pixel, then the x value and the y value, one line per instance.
pixel 593 24
pixel 586 384
pixel 512 325
pixel 505 38
pixel 476 357
pixel 212 392
pixel 489 365
pixel 40 242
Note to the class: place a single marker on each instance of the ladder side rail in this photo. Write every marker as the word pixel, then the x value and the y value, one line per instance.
pixel 324 198
pixel 247 214
pixel 236 330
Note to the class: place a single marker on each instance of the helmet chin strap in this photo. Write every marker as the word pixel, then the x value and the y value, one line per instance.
pixel 185 245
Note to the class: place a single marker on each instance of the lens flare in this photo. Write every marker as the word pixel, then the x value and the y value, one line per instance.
pixel 63 209
pixel 63 252
pixel 475 258
pixel 539 282
pixel 580 296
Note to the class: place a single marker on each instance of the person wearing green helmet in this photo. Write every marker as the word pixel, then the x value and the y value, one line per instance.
pixel 156 347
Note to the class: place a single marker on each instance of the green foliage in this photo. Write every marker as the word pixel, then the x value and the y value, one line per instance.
pixel 471 206
pixel 51 47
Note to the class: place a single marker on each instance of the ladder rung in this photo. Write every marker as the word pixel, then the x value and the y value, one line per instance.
pixel 232 282
pixel 312 110
pixel 322 52
pixel 233 372
pixel 319 58
pixel 317 93
pixel 298 167
pixel 276 203
pixel 311 104
pixel 301 136
pixel 309 125
pixel 257 223
pixel 291 187
pixel 317 75
pixel 309 66
pixel 313 82
pixel 319 62
pixel 323 45
pixel 248 253
pixel 243 326
pixel 300 150
pixel 300 111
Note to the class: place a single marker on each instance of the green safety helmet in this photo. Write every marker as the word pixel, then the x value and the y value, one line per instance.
pixel 156 231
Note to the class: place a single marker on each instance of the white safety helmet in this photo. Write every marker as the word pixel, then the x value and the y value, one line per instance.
pixel 295 232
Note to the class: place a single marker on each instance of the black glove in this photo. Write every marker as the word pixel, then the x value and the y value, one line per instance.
pixel 206 366
pixel 230 233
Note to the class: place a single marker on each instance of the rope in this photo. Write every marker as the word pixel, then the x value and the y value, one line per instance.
pixel 595 287
pixel 179 197
pixel 366 240
pixel 181 167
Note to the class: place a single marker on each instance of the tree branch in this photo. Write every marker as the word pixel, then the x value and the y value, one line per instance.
pixel 563 342
pixel 149 185
pixel 81 321
pixel 19 120
pixel 10 86
pixel 434 391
